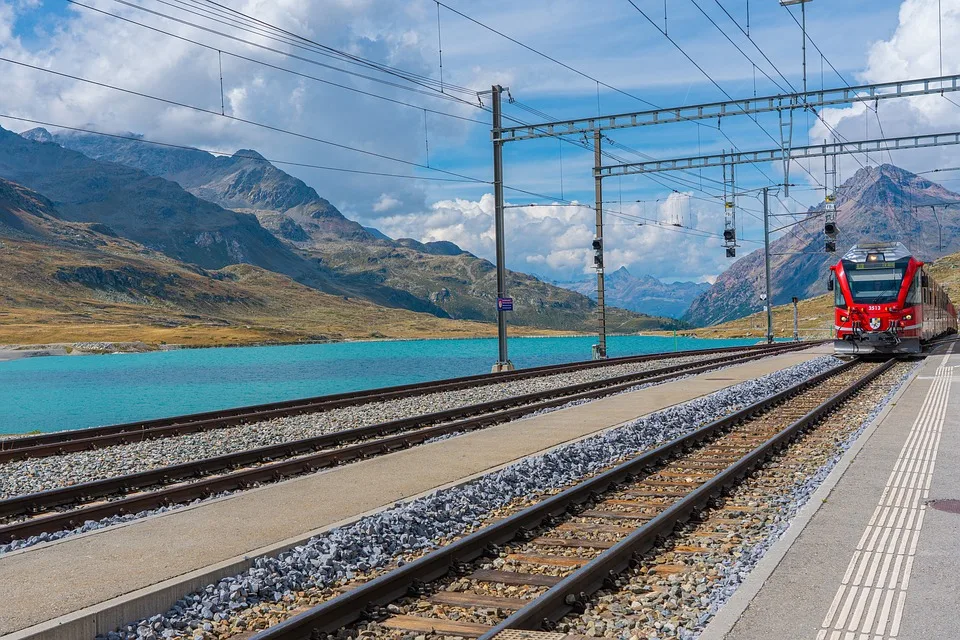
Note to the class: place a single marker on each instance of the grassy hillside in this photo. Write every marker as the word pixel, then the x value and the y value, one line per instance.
pixel 64 281
pixel 112 298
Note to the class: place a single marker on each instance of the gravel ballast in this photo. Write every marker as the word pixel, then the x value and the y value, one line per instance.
pixel 42 474
pixel 722 547
pixel 373 542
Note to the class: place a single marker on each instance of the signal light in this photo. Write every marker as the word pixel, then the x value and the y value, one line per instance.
pixel 830 246
pixel 598 244
pixel 731 252
pixel 729 235
pixel 598 261
pixel 830 228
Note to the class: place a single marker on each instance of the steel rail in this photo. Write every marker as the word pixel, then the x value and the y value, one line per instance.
pixel 348 607
pixel 571 592
pixel 92 437
pixel 314 460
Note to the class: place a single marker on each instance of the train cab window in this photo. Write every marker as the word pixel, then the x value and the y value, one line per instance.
pixel 873 286
pixel 914 295
pixel 838 299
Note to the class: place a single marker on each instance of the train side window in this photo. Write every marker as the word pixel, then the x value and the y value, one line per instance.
pixel 913 295
pixel 838 300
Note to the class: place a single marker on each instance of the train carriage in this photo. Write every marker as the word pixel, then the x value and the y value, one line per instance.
pixel 886 302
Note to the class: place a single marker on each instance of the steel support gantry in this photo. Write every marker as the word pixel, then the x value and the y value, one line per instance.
pixel 784 105
pixel 746 106
pixel 876 145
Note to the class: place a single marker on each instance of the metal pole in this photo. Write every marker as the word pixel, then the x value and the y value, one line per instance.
pixel 803 27
pixel 933 208
pixel 503 362
pixel 766 260
pixel 796 320
pixel 601 350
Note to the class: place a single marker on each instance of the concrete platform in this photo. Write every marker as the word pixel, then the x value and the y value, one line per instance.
pixel 871 557
pixel 92 583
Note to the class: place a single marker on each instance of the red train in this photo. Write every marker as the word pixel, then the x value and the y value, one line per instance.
pixel 886 302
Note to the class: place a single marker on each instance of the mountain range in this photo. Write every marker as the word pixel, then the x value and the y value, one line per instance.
pixel 877 203
pixel 66 281
pixel 206 213
pixel 643 294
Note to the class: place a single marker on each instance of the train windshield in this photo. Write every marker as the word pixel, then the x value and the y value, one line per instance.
pixel 874 286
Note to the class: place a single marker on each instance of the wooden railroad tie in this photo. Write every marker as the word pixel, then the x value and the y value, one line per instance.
pixel 433 625
pixel 547 560
pixel 622 515
pixel 477 600
pixel 574 543
pixel 586 527
pixel 514 578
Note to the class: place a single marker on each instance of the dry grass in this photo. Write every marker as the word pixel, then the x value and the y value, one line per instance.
pixel 247 306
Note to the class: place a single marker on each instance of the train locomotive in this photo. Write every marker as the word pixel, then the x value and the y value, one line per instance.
pixel 886 302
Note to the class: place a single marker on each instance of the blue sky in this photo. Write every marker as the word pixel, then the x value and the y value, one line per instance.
pixel 865 40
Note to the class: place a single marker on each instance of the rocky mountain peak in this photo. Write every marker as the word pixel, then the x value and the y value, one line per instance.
pixel 248 154
pixel 38 134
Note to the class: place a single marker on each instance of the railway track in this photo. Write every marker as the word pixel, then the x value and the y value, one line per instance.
pixel 183 483
pixel 50 444
pixel 530 569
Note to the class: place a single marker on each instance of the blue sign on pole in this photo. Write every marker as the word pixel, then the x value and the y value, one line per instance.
pixel 505 304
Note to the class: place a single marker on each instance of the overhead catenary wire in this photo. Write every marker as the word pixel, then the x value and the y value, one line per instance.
pixel 784 77
pixel 284 69
pixel 712 81
pixel 234 118
pixel 606 153
pixel 545 56
pixel 347 56
pixel 419 90
pixel 300 74
pixel 216 152
pixel 250 24
pixel 466 178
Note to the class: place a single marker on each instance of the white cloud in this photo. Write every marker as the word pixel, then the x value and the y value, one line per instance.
pixel 385 203
pixel 912 51
pixel 552 240
pixel 555 240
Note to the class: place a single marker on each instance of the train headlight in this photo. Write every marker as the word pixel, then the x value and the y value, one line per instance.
pixel 909 316
pixel 844 318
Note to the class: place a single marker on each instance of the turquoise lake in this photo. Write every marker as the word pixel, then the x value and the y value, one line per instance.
pixel 64 392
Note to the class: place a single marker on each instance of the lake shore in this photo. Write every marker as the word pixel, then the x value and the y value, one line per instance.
pixel 9 352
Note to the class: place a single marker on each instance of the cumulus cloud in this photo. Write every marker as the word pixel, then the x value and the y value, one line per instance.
pixel 385 203
pixel 912 51
pixel 551 240
pixel 555 240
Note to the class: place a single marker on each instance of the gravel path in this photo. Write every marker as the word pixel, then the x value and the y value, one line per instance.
pixel 293 578
pixel 29 476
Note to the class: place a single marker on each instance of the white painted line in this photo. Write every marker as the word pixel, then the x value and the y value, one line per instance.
pixel 893 532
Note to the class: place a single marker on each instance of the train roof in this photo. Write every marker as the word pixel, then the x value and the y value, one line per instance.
pixel 885 251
